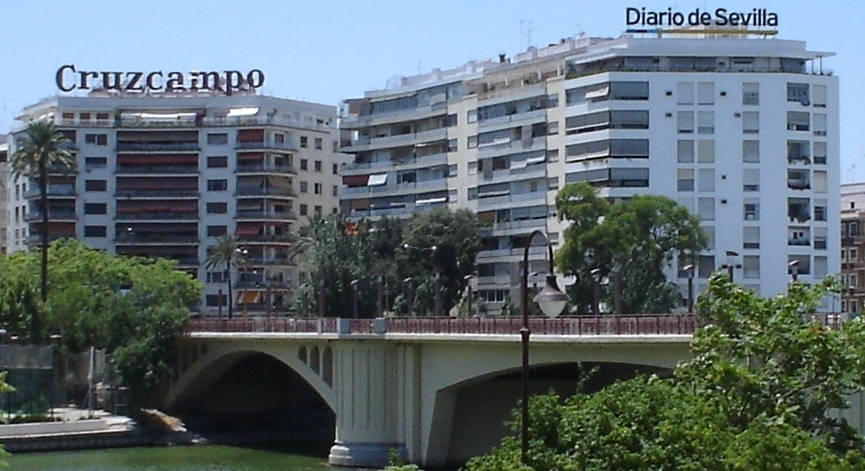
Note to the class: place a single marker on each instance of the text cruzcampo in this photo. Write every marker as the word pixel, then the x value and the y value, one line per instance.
pixel 68 79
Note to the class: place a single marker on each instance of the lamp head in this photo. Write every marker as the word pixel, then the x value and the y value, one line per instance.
pixel 551 299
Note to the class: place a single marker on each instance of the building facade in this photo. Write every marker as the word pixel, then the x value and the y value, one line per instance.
pixel 741 131
pixel 164 174
pixel 852 246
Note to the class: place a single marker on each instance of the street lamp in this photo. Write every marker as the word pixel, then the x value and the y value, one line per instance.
pixel 731 263
pixel 793 265
pixel 409 288
pixel 596 291
pixel 468 279
pixel 437 282
pixel 551 301
pixel 690 269
pixel 354 298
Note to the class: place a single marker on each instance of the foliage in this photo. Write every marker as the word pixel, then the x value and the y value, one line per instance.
pixel 628 243
pixel 115 303
pixel 225 250
pixel 756 395
pixel 41 147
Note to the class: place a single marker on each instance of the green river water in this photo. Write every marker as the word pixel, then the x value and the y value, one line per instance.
pixel 176 458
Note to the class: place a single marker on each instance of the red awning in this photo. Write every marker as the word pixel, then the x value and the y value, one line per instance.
pixel 246 229
pixel 355 180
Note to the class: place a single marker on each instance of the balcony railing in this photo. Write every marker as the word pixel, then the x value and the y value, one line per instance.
pixel 157 215
pixel 266 145
pixel 147 169
pixel 157 193
pixel 154 238
pixel 259 214
pixel 157 146
pixel 269 238
pixel 241 191
pixel 53 215
pixel 53 191
pixel 259 168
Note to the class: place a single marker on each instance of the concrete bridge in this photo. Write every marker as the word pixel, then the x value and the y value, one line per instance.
pixel 437 389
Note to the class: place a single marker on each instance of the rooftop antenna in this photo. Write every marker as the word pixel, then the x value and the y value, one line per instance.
pixel 527 33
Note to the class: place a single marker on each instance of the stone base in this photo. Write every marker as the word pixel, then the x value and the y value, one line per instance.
pixel 362 455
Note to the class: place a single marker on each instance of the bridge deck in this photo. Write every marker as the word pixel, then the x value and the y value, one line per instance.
pixel 664 324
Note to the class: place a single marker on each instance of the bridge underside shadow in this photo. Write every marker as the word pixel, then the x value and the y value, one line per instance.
pixel 483 408
pixel 258 399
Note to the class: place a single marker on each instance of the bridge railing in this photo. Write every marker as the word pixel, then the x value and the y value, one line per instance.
pixel 664 324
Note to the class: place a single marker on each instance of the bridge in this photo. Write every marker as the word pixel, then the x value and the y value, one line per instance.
pixel 439 390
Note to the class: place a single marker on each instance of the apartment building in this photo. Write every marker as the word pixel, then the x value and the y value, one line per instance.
pixel 161 174
pixel 852 246
pixel 741 130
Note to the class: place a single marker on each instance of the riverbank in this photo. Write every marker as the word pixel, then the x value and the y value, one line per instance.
pixel 79 429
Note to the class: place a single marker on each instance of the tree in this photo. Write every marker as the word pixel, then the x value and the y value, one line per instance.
pixel 40 148
pixel 220 254
pixel 758 394
pixel 628 243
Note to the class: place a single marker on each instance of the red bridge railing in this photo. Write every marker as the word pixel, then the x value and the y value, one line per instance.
pixel 665 324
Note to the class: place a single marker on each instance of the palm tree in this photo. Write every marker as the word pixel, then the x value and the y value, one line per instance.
pixel 221 253
pixel 42 146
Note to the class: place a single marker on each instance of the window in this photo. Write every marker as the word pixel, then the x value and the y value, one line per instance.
pixel 317 165
pixel 751 152
pixel 706 208
pixel 705 93
pixel 216 276
pixel 751 266
pixel 706 180
pixel 750 122
pixel 705 151
pixel 752 211
pixel 335 190
pixel 94 231
pixel 820 210
pixel 304 210
pixel 685 121
pixel 216 300
pixel 102 117
pixel 93 163
pixel 452 145
pixel 304 141
pixel 95 208
pixel 304 164
pixel 317 209
pixel 217 162
pixel 335 170
pixel 751 237
pixel 706 122
pixel 304 187
pixel 217 185
pixel 217 208
pixel 472 142
pixel 96 139
pixel 216 231
pixel 819 124
pixel 798 121
pixel 319 143
pixel 685 151
pixel 685 179
pixel 317 188
pixel 798 93
pixel 818 182
pixel 706 266
pixel 685 93
pixel 216 139
pixel 751 179
pixel 818 98
pixel 820 153
pixel 472 116
pixel 750 93
pixel 95 185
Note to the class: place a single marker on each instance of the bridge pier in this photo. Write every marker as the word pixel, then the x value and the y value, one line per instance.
pixel 366 385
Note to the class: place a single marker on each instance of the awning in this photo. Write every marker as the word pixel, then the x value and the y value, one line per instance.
pixel 355 180
pixel 431 201
pixel 246 229
pixel 247 297
pixel 599 93
pixel 518 165
pixel 378 179
pixel 235 112
pixel 536 160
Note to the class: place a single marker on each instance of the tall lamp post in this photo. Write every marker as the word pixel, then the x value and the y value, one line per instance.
pixel 437 282
pixel 354 298
pixel 409 298
pixel 731 263
pixel 690 269
pixel 596 291
pixel 468 279
pixel 793 267
pixel 551 301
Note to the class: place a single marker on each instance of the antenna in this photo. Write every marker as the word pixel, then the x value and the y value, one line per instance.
pixel 527 33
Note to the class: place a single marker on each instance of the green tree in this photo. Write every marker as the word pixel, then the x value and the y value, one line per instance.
pixel 224 251
pixel 41 147
pixel 628 243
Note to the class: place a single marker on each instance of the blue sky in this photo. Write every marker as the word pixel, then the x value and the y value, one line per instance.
pixel 326 51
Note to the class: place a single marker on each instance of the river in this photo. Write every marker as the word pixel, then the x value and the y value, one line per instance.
pixel 176 458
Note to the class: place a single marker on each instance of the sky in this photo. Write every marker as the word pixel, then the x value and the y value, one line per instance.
pixel 327 51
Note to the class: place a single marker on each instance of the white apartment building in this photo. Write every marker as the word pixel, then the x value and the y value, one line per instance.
pixel 742 131
pixel 164 174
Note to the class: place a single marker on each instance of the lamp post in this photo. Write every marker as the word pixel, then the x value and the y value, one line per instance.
pixel 468 279
pixel 793 267
pixel 690 269
pixel 731 263
pixel 551 301
pixel 437 280
pixel 409 295
pixel 354 299
pixel 596 291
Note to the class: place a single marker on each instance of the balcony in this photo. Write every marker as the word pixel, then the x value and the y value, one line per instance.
pixel 53 215
pixel 247 192
pixel 409 163
pixel 158 146
pixel 267 145
pixel 158 193
pixel 269 261
pixel 54 191
pixel 364 143
pixel 265 215
pixel 265 168
pixel 268 238
pixel 159 239
pixel 518 119
pixel 150 169
pixel 157 216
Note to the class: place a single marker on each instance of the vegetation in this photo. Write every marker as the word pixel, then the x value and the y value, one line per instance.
pixel 225 250
pixel 629 243
pixel 761 392
pixel 41 148
pixel 335 252
pixel 133 308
